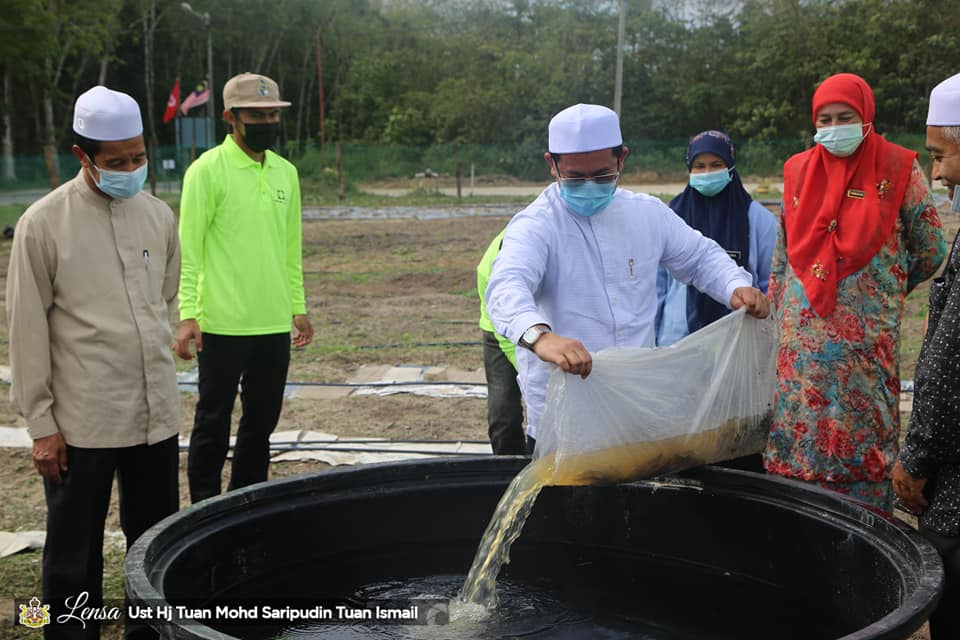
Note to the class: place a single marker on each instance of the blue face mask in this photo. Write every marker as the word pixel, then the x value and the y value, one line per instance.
pixel 712 183
pixel 841 140
pixel 588 198
pixel 122 184
pixel 955 202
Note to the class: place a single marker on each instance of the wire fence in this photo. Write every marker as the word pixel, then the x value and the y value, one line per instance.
pixel 358 163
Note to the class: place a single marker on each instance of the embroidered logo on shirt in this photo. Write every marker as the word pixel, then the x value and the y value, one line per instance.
pixel 281 196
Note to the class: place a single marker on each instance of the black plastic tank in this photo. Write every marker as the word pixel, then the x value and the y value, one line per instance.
pixel 709 553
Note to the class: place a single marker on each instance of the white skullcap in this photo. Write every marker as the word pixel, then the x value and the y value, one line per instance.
pixel 102 114
pixel 584 127
pixel 945 104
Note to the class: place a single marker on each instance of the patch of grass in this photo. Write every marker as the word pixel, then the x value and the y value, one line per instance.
pixel 10 213
pixel 404 251
pixel 21 572
pixel 327 347
pixel 415 198
pixel 665 197
pixel 406 266
pixel 172 200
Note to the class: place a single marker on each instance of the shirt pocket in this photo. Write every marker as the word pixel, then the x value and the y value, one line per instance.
pixel 637 279
pixel 155 266
pixel 633 293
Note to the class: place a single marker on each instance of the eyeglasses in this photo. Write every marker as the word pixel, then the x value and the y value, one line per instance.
pixel 576 183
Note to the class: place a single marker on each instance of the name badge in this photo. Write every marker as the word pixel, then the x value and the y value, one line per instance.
pixel 856 193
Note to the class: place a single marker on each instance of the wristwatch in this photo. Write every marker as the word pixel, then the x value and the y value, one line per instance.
pixel 531 335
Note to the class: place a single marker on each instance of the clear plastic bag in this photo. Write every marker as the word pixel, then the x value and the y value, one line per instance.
pixel 643 412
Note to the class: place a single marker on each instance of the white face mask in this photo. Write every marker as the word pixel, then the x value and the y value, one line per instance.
pixel 121 184
pixel 840 140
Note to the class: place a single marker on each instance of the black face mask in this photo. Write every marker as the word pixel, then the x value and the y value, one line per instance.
pixel 262 136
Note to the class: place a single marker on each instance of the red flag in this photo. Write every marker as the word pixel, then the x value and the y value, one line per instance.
pixel 197 97
pixel 172 103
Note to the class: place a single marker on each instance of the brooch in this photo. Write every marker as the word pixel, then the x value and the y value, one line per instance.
pixel 818 271
pixel 883 188
pixel 796 201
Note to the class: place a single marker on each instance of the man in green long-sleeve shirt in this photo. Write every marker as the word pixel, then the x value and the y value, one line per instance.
pixel 241 285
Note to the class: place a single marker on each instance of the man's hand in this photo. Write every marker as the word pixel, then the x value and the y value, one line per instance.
pixel 50 457
pixel 304 329
pixel 189 330
pixel 753 299
pixel 909 489
pixel 568 354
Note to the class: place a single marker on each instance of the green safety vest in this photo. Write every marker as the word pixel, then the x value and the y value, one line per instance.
pixel 483 277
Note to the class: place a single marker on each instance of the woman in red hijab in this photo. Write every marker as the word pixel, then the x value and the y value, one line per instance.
pixel 858 232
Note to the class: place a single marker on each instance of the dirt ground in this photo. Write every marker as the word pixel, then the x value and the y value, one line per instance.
pixel 400 292
pixel 397 292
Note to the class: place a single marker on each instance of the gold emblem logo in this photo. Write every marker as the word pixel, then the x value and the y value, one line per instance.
pixel 35 615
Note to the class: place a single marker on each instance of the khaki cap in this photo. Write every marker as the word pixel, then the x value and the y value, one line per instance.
pixel 251 91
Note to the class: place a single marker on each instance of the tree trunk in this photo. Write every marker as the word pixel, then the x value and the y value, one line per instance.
pixel 36 101
pixel 49 134
pixel 262 56
pixel 149 27
pixel 9 170
pixel 306 115
pixel 271 56
pixel 51 81
pixel 320 98
pixel 66 120
pixel 104 64
pixel 230 43
pixel 341 188
pixel 302 95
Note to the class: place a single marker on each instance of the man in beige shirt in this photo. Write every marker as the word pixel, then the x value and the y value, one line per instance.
pixel 93 269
